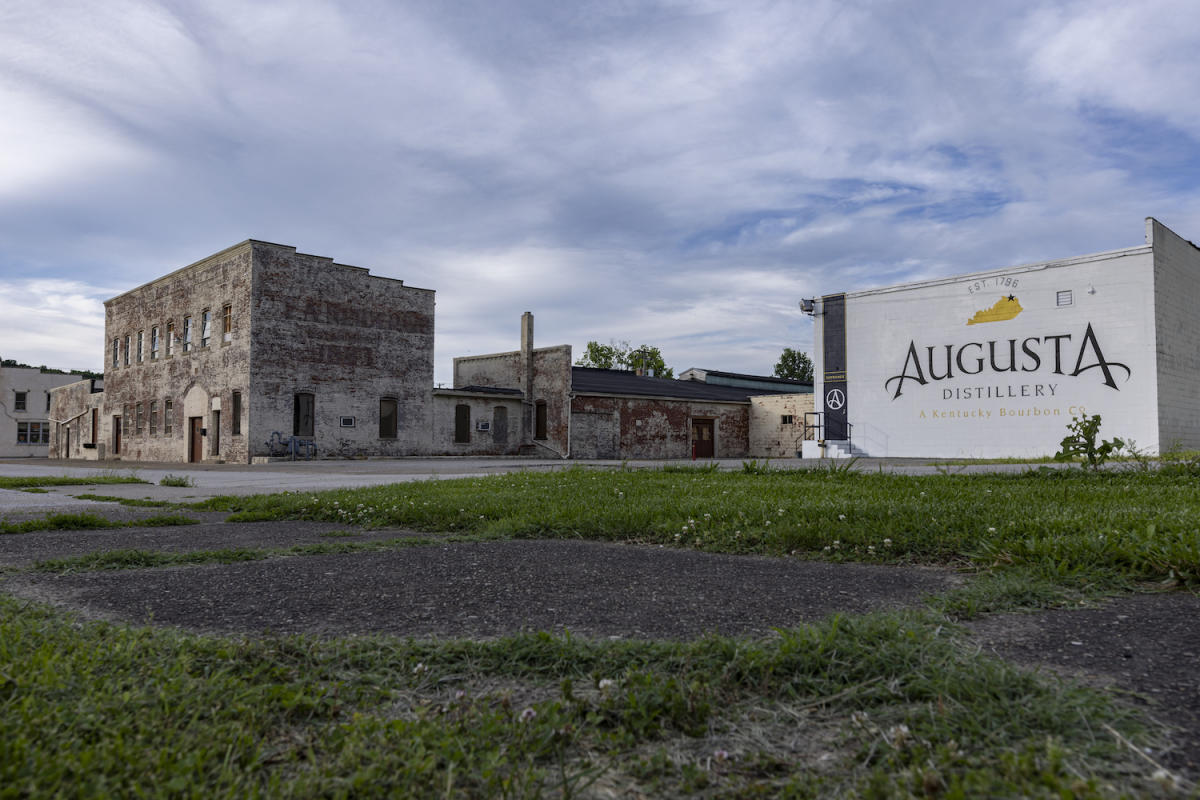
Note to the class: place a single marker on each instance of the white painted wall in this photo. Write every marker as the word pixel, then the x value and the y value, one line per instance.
pixel 1177 303
pixel 36 385
pixel 985 412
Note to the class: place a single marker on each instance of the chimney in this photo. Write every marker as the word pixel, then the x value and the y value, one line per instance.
pixel 527 376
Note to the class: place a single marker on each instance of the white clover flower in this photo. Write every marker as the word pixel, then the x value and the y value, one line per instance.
pixel 527 715
pixel 841 516
pixel 607 685
pixel 991 530
pixel 720 755
pixel 887 542
pixel 419 668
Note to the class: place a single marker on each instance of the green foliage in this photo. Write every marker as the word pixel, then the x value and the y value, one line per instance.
pixel 176 480
pixel 622 355
pixel 1083 431
pixel 794 364
pixel 82 373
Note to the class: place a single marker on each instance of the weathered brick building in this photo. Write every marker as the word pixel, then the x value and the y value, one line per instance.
pixel 226 359
pixel 580 412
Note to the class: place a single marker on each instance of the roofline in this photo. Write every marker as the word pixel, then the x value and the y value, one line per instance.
pixel 1106 255
pixel 577 393
pixel 251 243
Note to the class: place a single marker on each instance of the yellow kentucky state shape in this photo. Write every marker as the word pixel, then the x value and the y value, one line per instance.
pixel 1004 308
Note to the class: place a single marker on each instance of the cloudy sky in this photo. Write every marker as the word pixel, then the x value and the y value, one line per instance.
pixel 673 173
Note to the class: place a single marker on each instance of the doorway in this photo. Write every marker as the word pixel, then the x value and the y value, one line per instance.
pixel 116 425
pixel 703 441
pixel 195 439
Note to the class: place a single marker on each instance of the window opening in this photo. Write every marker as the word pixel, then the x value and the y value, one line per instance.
pixel 153 417
pixel 237 414
pixel 187 334
pixel 154 343
pixel 388 414
pixel 205 327
pixel 215 434
pixel 167 417
pixel 170 339
pixel 539 420
pixel 128 347
pixel 462 424
pixel 33 433
pixel 19 401
pixel 138 424
pixel 140 351
pixel 226 322
pixel 302 414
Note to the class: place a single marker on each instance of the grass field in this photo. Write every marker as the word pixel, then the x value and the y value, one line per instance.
pixel 879 705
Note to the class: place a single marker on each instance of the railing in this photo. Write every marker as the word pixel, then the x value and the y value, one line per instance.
pixel 292 446
pixel 815 429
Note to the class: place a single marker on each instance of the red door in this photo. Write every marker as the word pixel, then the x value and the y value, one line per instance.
pixel 195 439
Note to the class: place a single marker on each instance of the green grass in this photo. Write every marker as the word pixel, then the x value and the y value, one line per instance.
pixel 8 482
pixel 880 705
pixel 127 501
pixel 86 522
pixel 1112 528
pixel 176 480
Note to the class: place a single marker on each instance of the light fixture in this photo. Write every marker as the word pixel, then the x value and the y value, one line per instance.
pixel 808 305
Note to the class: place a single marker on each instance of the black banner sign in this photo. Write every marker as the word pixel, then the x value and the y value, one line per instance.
pixel 833 327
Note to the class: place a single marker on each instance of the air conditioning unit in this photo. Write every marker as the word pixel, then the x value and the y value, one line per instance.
pixel 483 426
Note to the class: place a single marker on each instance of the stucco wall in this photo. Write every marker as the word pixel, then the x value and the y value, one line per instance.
pixel 73 422
pixel 770 437
pixel 347 337
pixel 1177 336
pixel 503 438
pixel 36 386
pixel 661 428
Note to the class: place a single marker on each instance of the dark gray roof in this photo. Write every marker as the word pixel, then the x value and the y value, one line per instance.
pixel 587 380
pixel 481 390
pixel 761 378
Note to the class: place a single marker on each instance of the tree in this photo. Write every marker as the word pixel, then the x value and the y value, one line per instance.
pixel 795 364
pixel 621 355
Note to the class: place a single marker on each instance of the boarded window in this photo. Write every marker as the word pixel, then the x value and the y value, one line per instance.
pixel 237 414
pixel 462 424
pixel 153 417
pixel 302 414
pixel 539 420
pixel 140 418
pixel 388 416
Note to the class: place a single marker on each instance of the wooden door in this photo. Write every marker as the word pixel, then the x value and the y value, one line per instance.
pixel 703 445
pixel 195 439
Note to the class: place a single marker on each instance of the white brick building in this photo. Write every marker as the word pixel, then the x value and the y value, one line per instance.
pixel 995 363
pixel 25 429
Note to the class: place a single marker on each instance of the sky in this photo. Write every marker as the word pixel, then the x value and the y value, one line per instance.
pixel 677 174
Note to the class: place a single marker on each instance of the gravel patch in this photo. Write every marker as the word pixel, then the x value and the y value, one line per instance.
pixel 1147 645
pixel 489 589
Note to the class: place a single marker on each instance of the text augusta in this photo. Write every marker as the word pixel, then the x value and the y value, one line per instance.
pixel 1011 355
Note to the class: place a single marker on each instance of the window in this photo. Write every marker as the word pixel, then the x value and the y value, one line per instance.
pixel 95 424
pixel 215 433
pixel 47 402
pixel 141 353
pixel 1064 298
pixel 170 339
pixel 116 352
pixel 138 425
pixel 153 417
pixel 33 433
pixel 462 424
pixel 388 414
pixel 154 343
pixel 226 322
pixel 187 334
pixel 19 401
pixel 787 419
pixel 205 327
pixel 539 420
pixel 128 347
pixel 302 414
pixel 167 417
pixel 237 414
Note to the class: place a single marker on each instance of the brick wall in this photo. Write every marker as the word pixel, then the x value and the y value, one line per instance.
pixel 770 436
